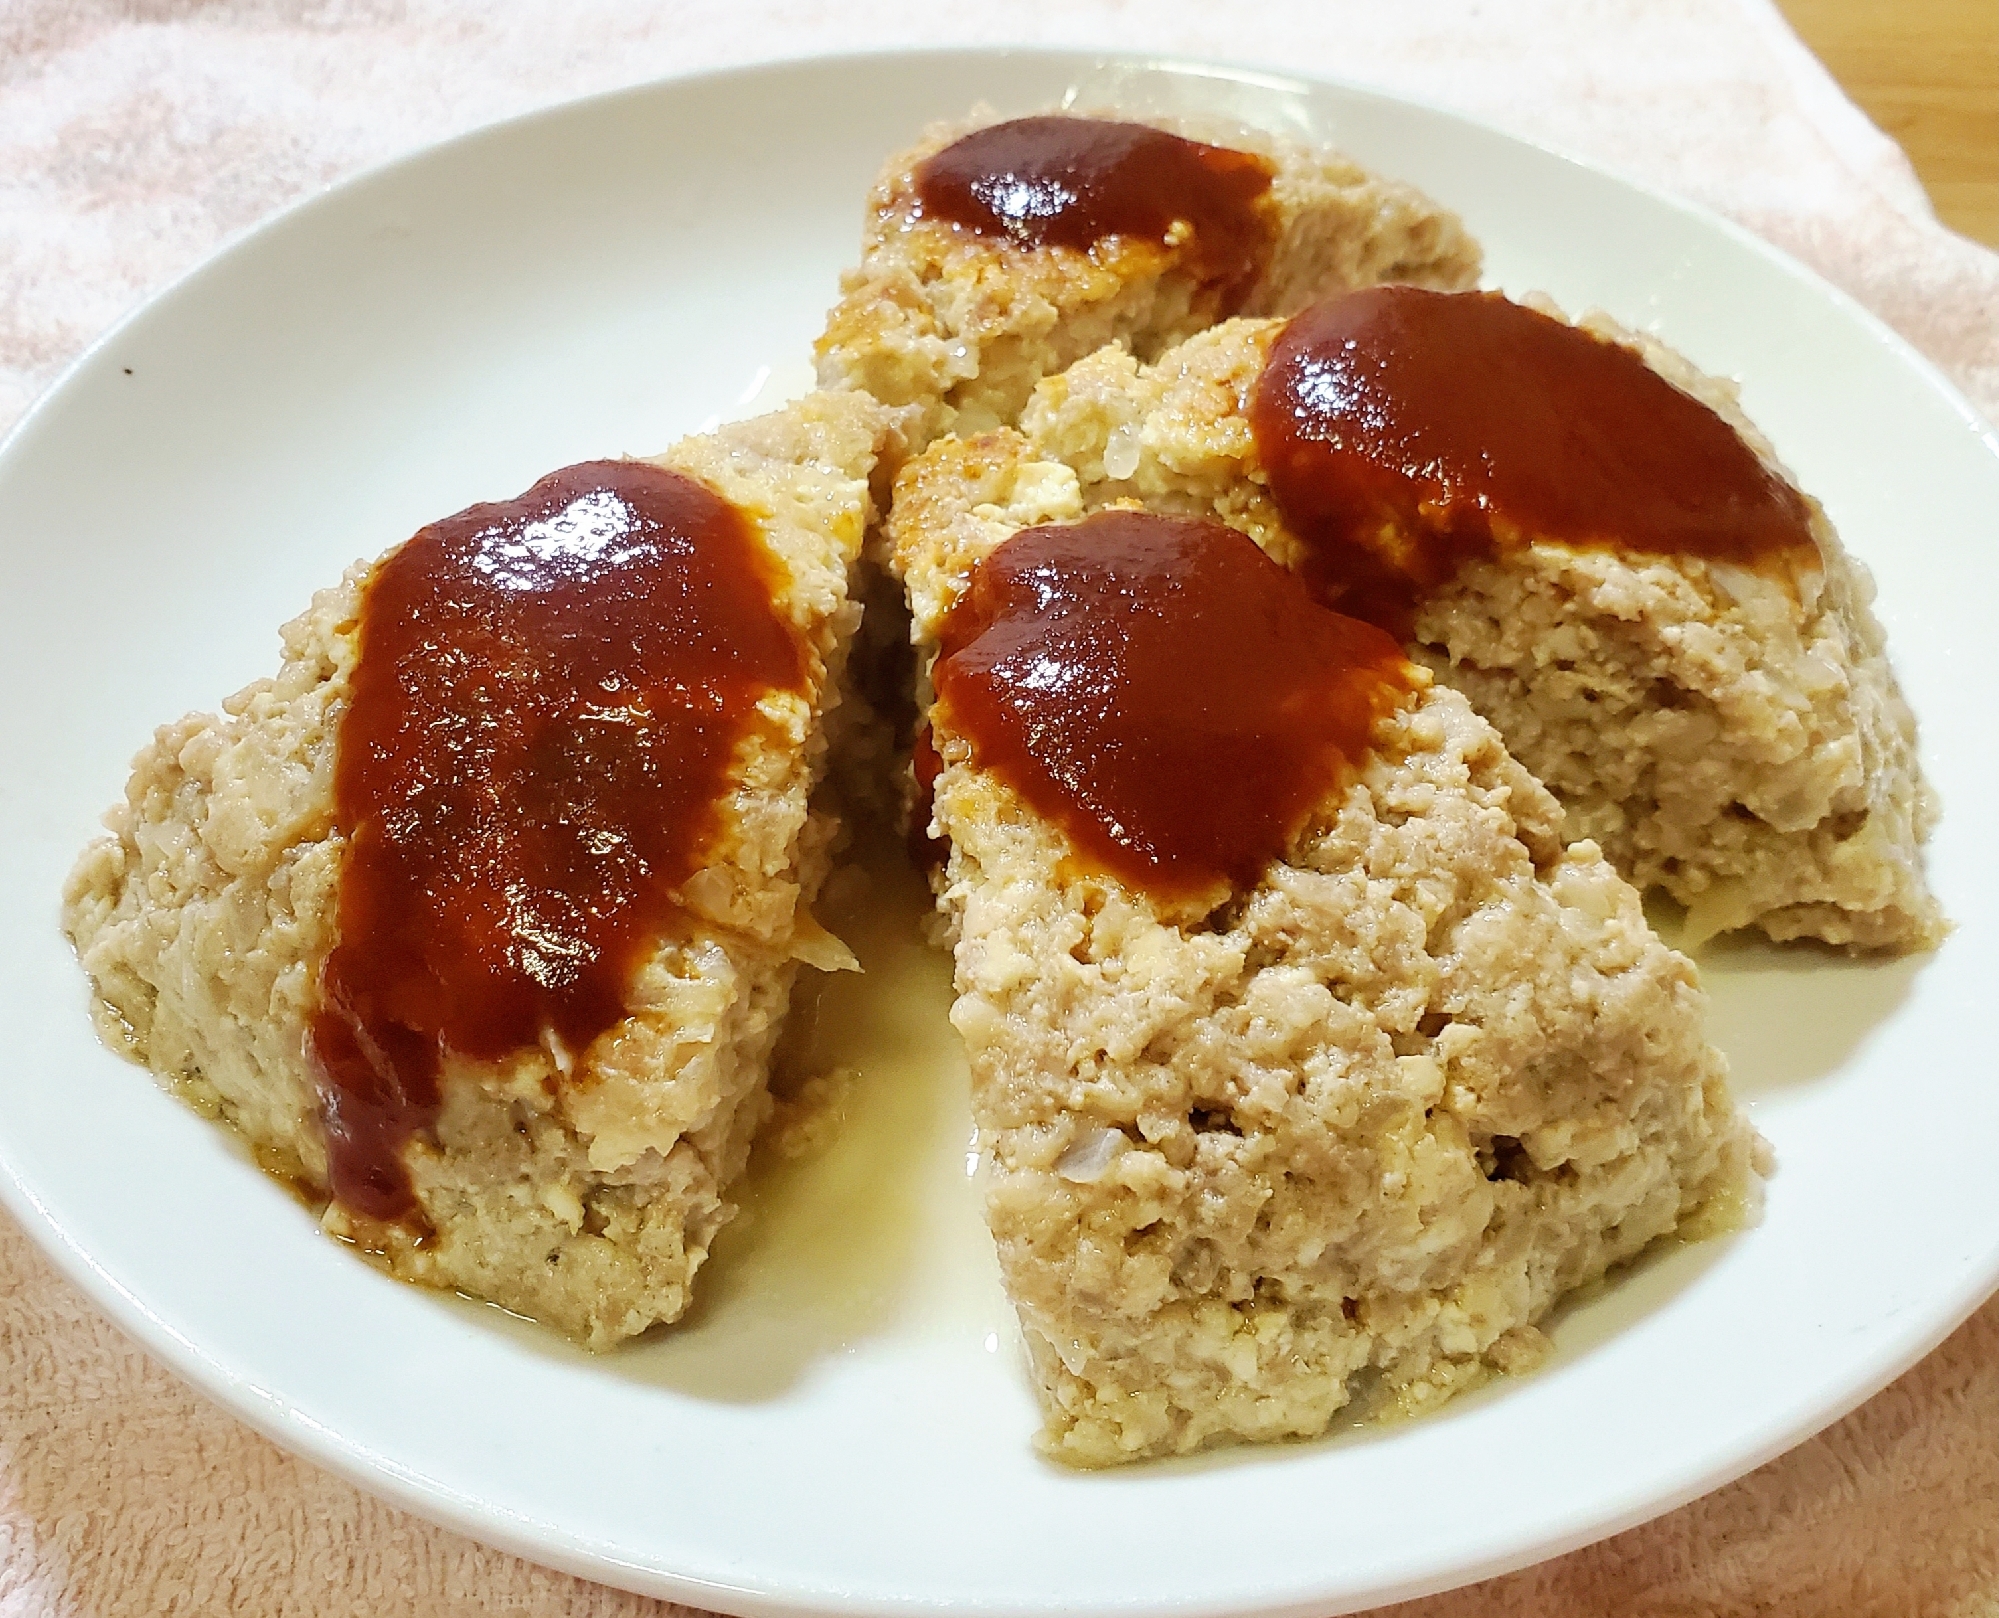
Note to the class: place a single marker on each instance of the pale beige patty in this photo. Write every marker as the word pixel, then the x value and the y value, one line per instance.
pixel 1366 1123
pixel 1743 746
pixel 584 1194
pixel 961 327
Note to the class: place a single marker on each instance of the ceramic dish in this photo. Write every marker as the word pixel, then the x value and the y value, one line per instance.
pixel 843 1425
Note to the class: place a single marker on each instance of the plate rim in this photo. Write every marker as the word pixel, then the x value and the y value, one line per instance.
pixel 1237 69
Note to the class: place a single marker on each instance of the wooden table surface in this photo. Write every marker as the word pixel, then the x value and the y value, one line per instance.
pixel 1927 72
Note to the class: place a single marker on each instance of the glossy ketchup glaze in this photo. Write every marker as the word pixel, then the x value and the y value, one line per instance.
pixel 547 703
pixel 1405 433
pixel 1075 182
pixel 1163 692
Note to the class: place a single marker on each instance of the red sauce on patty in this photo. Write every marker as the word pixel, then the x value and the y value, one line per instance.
pixel 547 705
pixel 1076 182
pixel 1163 692
pixel 1406 433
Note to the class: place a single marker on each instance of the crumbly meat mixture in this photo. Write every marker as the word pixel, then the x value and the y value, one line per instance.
pixel 1744 748
pixel 1365 1123
pixel 583 1190
pixel 961 327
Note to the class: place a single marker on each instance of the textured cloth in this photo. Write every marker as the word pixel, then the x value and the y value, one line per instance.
pixel 136 137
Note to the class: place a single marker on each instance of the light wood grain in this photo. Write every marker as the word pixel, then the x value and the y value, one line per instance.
pixel 1926 71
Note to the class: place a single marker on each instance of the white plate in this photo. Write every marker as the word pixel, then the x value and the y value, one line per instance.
pixel 843 1426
